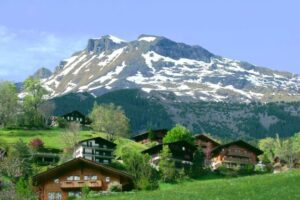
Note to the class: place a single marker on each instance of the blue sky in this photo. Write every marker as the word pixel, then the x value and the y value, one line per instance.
pixel 40 33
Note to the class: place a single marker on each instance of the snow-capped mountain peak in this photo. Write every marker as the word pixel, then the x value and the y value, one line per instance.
pixel 158 64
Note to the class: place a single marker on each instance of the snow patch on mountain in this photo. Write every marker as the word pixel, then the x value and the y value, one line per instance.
pixel 147 39
pixel 190 72
pixel 116 39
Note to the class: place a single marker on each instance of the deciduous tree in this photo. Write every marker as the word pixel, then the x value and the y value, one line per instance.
pixel 8 103
pixel 34 98
pixel 110 119
pixel 167 166
pixel 179 133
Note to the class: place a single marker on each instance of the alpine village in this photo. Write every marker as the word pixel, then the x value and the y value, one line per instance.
pixel 154 116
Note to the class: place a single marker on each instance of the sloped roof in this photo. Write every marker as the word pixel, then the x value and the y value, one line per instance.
pixel 238 143
pixel 74 112
pixel 206 137
pixel 159 147
pixel 65 167
pixel 145 134
pixel 98 138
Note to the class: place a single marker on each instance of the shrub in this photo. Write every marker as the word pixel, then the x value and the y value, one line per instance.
pixel 115 187
pixel 167 166
pixel 62 123
pixel 232 172
pixel 246 170
pixel 85 190
pixel 23 189
pixel 36 144
pixel 224 171
pixel 138 165
pixel 198 162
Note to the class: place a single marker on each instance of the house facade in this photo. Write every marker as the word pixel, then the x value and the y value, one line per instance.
pixel 207 144
pixel 76 116
pixel 182 153
pixel 46 156
pixel 234 154
pixel 67 180
pixel 150 136
pixel 96 149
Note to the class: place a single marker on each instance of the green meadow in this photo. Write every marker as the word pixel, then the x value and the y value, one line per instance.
pixel 285 186
pixel 52 138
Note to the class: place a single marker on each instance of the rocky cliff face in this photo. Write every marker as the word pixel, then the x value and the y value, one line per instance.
pixel 42 73
pixel 157 64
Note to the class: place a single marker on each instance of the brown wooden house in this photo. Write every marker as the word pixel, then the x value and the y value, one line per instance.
pixel 67 180
pixel 150 136
pixel 182 153
pixel 234 154
pixel 207 144
pixel 96 149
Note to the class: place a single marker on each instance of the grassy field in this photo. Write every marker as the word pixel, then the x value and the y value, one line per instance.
pixel 52 138
pixel 285 186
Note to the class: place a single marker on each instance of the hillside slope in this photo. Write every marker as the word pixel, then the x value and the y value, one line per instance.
pixel 260 187
pixel 226 120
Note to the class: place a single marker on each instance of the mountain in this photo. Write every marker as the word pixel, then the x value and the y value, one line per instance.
pixel 159 83
pixel 159 65
pixel 222 119
pixel 42 73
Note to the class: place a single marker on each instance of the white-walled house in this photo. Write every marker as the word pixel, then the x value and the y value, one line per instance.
pixel 95 149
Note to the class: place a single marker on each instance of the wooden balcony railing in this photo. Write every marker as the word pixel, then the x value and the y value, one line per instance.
pixel 237 160
pixel 241 154
pixel 80 184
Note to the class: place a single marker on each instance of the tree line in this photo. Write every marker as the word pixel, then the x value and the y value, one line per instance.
pixel 31 110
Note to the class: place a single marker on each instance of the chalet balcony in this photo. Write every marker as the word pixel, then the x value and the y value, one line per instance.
pixel 80 184
pixel 237 160
pixel 97 148
pixel 98 155
pixel 240 154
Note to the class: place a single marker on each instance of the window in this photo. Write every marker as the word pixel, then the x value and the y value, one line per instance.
pixel 105 161
pixel 87 150
pixel 183 148
pixel 107 179
pixel 91 177
pixel 73 178
pixel 104 146
pixel 56 180
pixel 74 194
pixel 54 196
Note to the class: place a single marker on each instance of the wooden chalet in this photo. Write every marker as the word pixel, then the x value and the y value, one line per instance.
pixel 207 144
pixel 96 149
pixel 46 156
pixel 182 153
pixel 77 116
pixel 66 180
pixel 235 154
pixel 150 136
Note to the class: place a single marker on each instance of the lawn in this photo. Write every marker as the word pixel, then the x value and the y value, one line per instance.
pixel 51 138
pixel 285 186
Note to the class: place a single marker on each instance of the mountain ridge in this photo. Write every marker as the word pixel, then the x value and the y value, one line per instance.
pixel 156 63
